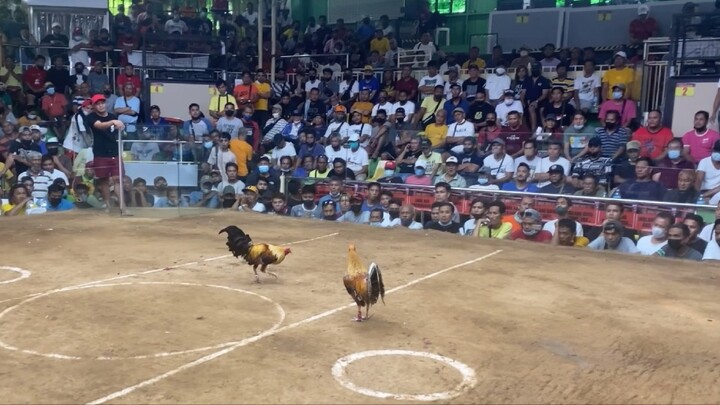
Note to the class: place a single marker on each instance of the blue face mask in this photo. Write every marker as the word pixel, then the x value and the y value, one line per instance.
pixel 715 156
pixel 263 169
pixel 247 117
pixel 419 172
pixel 389 173
pixel 208 144
pixel 51 90
pixel 354 145
pixel 483 181
pixel 617 95
pixel 673 154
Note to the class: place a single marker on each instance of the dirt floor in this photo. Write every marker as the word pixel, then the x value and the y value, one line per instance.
pixel 138 310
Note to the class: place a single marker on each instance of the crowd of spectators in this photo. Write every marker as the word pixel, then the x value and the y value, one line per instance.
pixel 261 145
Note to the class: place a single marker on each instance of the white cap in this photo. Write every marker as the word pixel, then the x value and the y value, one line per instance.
pixel 56 24
pixel 451 159
pixel 421 163
pixel 643 9
pixel 35 127
pixel 52 139
pixel 621 53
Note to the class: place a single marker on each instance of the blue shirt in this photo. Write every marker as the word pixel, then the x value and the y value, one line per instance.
pixel 450 106
pixel 64 205
pixel 373 84
pixel 511 186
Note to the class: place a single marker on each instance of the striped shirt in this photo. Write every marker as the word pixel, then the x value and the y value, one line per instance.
pixel 41 182
pixel 611 142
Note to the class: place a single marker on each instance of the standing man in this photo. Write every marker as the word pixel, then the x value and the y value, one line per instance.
pixel 106 132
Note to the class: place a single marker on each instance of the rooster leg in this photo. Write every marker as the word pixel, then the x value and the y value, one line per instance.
pixel 367 312
pixel 359 317
pixel 257 277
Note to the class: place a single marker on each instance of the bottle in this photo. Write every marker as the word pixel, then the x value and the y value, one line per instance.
pixel 617 194
pixel 700 200
pixel 605 194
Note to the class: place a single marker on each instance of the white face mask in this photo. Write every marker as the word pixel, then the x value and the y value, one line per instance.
pixel 523 53
pixel 578 127
pixel 500 71
pixel 276 115
pixel 509 101
pixel 658 232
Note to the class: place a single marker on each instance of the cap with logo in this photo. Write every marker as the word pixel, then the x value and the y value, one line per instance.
pixel 633 145
pixel 251 189
pixel 451 160
pixel 556 169
pixel 421 163
pixel 532 214
pixel 228 190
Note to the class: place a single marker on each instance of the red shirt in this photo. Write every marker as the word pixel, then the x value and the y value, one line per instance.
pixel 410 86
pixel 643 29
pixel 652 144
pixel 514 138
pixel 542 237
pixel 34 78
pixel 669 171
pixel 122 79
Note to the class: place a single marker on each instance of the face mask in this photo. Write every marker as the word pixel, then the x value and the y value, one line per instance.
pixel 208 144
pixel 312 78
pixel 329 217
pixel 419 172
pixel 617 95
pixel 308 204
pixel 490 122
pixel 276 115
pixel 715 156
pixel 477 216
pixel 389 173
pixel 483 181
pixel 394 213
pixel 560 210
pixel 51 91
pixel 229 113
pixel 263 169
pixel 107 93
pixel 578 127
pixel 523 53
pixel 657 232
pixel 368 77
pixel 32 116
pixel 52 151
pixel 438 98
pixel 531 232
pixel 228 202
pixel 354 145
pixel 79 70
pixel 500 71
pixel 674 243
pixel 247 117
pixel 610 125
pixel 376 224
pixel 356 208
pixel 674 154
pixel 536 72
pixel 509 101
pixel 347 77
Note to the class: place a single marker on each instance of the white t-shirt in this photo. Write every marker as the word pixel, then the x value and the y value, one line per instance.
pixel 428 48
pixel 338 127
pixel 356 130
pixel 231 126
pixel 258 207
pixel 220 159
pixel 707 232
pixel 238 186
pixel 461 130
pixel 409 107
pixel 309 85
pixel 388 107
pixel 585 86
pixel 712 175
pixel 646 247
pixel 144 151
pixel 397 222
pixel 496 85
pixel 252 18
pixel 545 164
pixel 80 55
pixel 344 85
pixel 502 110
pixel 57 174
pixel 332 154
pixel 499 168
pixel 287 150
pixel 356 160
pixel 551 225
pixel 431 81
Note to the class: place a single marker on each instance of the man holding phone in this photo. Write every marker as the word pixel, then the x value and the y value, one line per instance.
pixel 106 134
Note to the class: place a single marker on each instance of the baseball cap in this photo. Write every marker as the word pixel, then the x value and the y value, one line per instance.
pixel 49 84
pixel 277 107
pixel 399 110
pixel 97 98
pixel 425 143
pixel 498 141
pixel 620 86
pixel 643 9
pixel 595 141
pixel 390 165
pixel 458 110
pixel 551 116
pixel 35 127
pixel 556 169
pixel 451 159
pixel 86 103
pixel 368 67
pixel 23 129
pixel 296 113
pixel 509 92
pixel 56 24
pixel 52 140
pixel 205 179
pixel 621 53
pixel 228 190
pixel 633 145
pixel 251 189
pixel 421 163
pixel 340 108
pixel 613 225
pixel 532 214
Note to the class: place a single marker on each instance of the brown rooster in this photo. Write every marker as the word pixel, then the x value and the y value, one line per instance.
pixel 261 254
pixel 365 286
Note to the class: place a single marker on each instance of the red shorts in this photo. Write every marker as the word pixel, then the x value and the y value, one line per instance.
pixel 106 167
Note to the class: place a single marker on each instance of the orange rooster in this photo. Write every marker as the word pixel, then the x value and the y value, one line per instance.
pixel 261 254
pixel 364 286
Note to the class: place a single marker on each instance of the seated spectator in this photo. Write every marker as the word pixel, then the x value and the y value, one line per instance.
pixel 406 219
pixel 420 177
pixel 566 234
pixel 329 211
pixel 587 88
pixel 357 159
pixel 433 160
pixel 437 132
pixel 577 135
pixel 321 170
pixel 695 224
pixel 341 171
pixel 249 201
pixel 451 176
pixel 650 244
pixel 557 183
pixel 558 106
pixel 612 239
pixel 282 148
pixel 624 166
pixel 469 160
pixel 484 179
pixel 41 179
pixel 376 218
pixel 520 182
pixel 508 105
pixel 477 213
pixel 712 251
pixel 389 174
pixel 590 188
pixel 613 137
pixel 310 147
pixel 206 197
pixel 531 159
pixel 625 108
pixel 699 142
pixel 172 199
pixel 356 215
pixel 613 211
pixel 264 171
pixel 145 151
pixel 493 226
pixel 139 196
pixel 670 166
pixel 643 187
pixel 18 203
pixel 514 134
pixel 531 228
pixel 684 191
pixel 502 166
pixel 593 163
pixel 308 208
pixel 562 209
pixel 373 197
pixel 707 232
pixel 708 175
pixel 653 137
pixel 84 199
pixel 307 165
pixel 445 222
pixel 678 244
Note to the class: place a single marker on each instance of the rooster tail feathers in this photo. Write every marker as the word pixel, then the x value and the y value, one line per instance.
pixel 233 231
pixel 237 241
pixel 375 285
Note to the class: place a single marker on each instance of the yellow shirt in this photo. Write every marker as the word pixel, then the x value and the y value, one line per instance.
pixel 217 102
pixel 436 133
pixel 7 177
pixel 317 175
pixel 431 106
pixel 581 241
pixel 262 103
pixel 243 153
pixel 365 107
pixel 381 45
pixel 613 76
pixel 480 62
pixel 8 207
pixel 502 233
pixel 12 81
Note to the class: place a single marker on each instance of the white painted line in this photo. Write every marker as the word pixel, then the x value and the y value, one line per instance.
pixel 469 378
pixel 125 391
pixel 278 308
pixel 176 266
pixel 22 274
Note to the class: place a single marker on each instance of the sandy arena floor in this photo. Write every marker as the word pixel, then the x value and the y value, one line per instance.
pixel 136 310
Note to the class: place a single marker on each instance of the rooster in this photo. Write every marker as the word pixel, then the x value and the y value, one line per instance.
pixel 365 286
pixel 261 254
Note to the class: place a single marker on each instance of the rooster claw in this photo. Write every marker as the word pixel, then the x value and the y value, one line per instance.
pixel 357 319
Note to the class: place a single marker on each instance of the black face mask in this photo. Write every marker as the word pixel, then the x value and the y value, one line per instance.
pixel 52 151
pixel 308 204
pixel 230 113
pixel 107 93
pixel 478 216
pixel 347 77
pixel 55 202
pixel 490 122
pixel 329 217
pixel 228 202
pixel 536 72
pixel 356 208
pixel 368 77
pixel 675 243
pixel 437 98
pixel 394 213
pixel 399 119
pixel 610 126
pixel 312 78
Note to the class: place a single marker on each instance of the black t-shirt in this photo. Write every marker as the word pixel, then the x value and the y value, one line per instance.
pixel 453 227
pixel 479 111
pixel 564 113
pixel 105 141
pixel 409 167
pixel 21 149
pixel 315 108
pixel 473 87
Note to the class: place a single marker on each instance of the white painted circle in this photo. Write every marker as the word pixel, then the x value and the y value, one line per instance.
pixel 21 274
pixel 469 378
pixel 278 308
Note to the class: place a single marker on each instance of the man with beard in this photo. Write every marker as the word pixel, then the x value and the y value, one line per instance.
pixel 329 210
pixel 308 208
